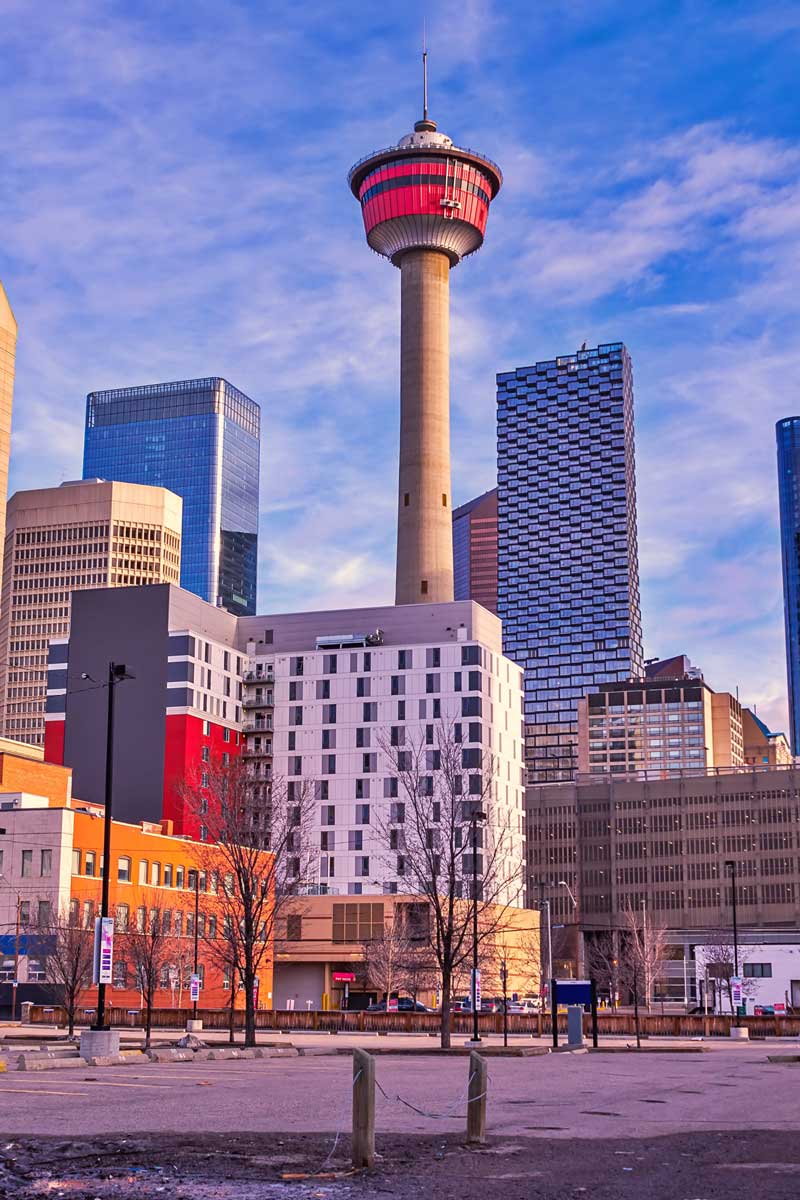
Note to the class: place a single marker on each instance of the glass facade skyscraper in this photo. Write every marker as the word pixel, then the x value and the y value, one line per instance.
pixel 200 439
pixel 568 568
pixel 788 437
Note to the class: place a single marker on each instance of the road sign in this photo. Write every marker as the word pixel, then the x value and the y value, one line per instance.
pixel 344 977
pixel 103 949
pixel 392 1004
pixel 194 988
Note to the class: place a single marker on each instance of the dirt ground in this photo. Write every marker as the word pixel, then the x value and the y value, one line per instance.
pixel 701 1166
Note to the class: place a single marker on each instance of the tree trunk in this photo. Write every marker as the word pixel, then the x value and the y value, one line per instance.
pixel 249 1007
pixel 232 1014
pixel 71 1021
pixel 148 1021
pixel 445 1030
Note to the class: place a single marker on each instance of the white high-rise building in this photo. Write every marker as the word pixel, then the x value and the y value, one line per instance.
pixel 325 695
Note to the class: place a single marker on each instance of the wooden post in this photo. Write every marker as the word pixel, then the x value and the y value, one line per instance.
pixel 476 1099
pixel 363 1109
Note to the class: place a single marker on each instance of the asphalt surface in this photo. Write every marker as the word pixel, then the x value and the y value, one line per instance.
pixel 622 1125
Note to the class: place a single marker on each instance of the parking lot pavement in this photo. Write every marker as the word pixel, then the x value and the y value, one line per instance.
pixel 556 1096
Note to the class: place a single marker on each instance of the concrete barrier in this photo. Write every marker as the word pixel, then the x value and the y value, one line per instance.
pixel 31 1062
pixel 170 1056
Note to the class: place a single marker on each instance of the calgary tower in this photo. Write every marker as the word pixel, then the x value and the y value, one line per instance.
pixel 425 203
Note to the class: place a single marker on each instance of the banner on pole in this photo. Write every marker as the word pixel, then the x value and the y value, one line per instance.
pixel 103 950
pixel 194 988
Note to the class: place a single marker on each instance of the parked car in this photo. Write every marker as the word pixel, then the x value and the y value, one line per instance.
pixel 404 1004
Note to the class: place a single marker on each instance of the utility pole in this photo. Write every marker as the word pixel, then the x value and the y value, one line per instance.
pixel 196 930
pixel 116 673
pixel 731 865
pixel 476 816
pixel 16 961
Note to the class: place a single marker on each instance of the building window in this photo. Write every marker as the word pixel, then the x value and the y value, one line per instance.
pixel 121 918
pixel 43 914
pixel 433 657
pixel 360 922
pixel 45 862
pixel 329 764
pixel 329 662
pixel 26 865
pixel 142 870
pixel 76 862
pixel 754 970
pixel 398 685
pixel 119 974
pixel 362 814
pixel 123 870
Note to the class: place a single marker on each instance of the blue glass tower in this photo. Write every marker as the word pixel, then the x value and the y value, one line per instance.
pixel 568 566
pixel 200 439
pixel 788 436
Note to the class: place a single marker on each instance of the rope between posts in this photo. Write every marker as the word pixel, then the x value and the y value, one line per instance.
pixel 445 1116
pixel 324 1164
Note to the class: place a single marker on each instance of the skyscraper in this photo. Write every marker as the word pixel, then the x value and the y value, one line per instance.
pixel 200 439
pixel 788 437
pixel 63 540
pixel 8 353
pixel 475 550
pixel 568 571
pixel 425 204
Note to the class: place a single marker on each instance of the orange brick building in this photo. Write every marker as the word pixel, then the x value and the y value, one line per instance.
pixel 152 870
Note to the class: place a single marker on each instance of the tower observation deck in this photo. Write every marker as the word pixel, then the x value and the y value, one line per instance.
pixel 425 204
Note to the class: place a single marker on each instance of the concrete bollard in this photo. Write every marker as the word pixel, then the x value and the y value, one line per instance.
pixel 476 1099
pixel 363 1110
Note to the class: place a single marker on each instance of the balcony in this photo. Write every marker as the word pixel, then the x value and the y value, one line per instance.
pixel 258 677
pixel 263 701
pixel 251 752
pixel 257 727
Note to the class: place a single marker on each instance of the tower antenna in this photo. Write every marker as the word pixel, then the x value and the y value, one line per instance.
pixel 424 72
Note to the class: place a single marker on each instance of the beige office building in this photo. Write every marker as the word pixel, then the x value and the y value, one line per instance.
pixel 80 535
pixel 654 727
pixel 8 352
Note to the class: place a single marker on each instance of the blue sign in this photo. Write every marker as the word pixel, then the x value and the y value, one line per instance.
pixel 573 991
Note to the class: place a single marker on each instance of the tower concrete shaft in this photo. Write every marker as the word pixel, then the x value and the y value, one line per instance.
pixel 425 203
pixel 425 518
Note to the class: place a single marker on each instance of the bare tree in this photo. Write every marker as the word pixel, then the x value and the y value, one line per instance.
pixel 643 951
pixel 443 792
pixel 386 958
pixel 149 951
pixel 66 953
pixel 603 960
pixel 225 952
pixel 719 958
pixel 260 849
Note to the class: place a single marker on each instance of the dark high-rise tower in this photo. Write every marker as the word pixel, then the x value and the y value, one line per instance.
pixel 568 569
pixel 425 203
pixel 788 436
pixel 200 439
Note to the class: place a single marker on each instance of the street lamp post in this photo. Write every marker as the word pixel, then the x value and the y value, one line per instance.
pixel 578 956
pixel 473 822
pixel 731 866
pixel 196 932
pixel 116 673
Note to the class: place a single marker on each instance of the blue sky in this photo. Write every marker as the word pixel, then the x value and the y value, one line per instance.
pixel 174 203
